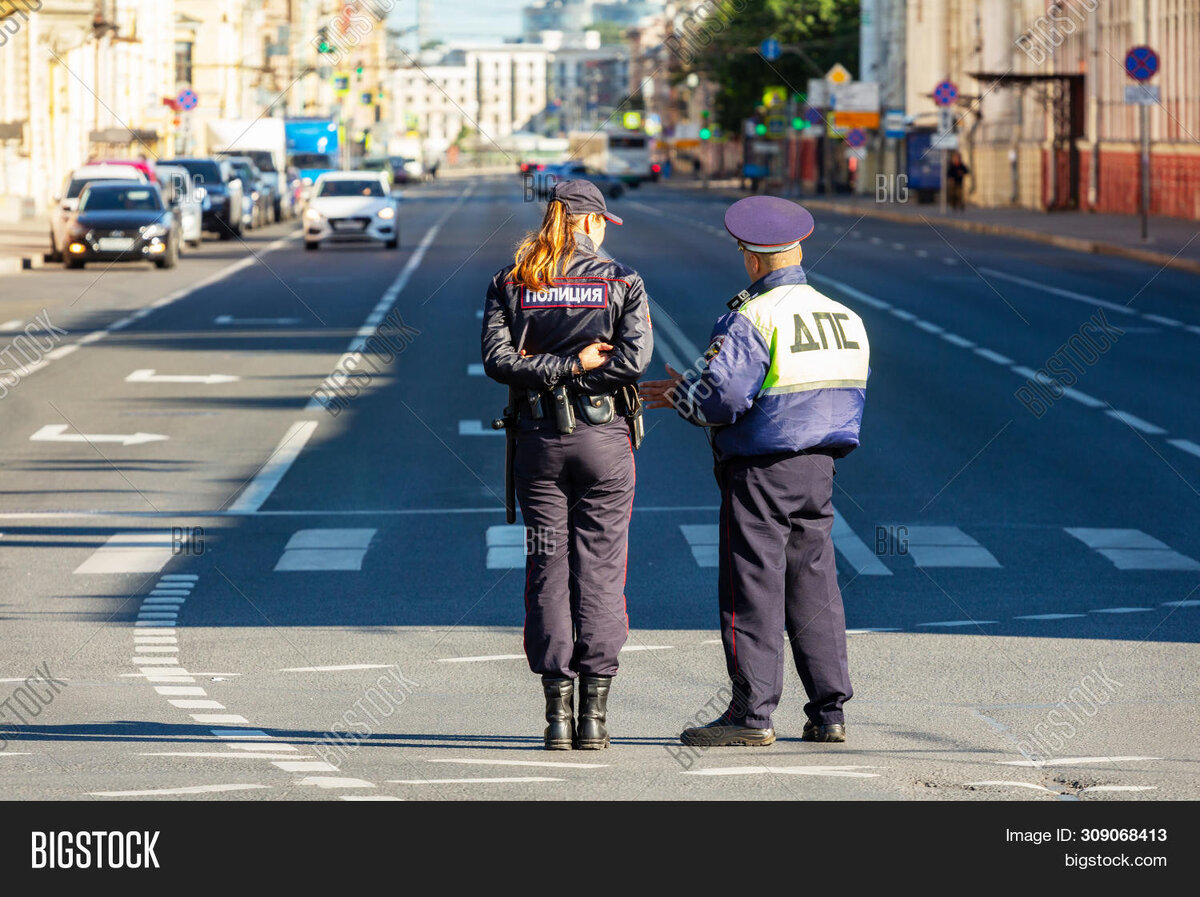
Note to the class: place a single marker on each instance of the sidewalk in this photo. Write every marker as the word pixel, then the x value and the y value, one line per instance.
pixel 1173 242
pixel 23 244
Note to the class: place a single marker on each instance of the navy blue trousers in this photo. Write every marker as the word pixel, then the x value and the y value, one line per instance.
pixel 777 571
pixel 576 495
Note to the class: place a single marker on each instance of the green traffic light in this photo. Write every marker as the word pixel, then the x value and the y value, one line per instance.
pixel 704 114
pixel 799 124
pixel 705 133
pixel 760 129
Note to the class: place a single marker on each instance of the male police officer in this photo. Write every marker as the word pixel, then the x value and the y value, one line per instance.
pixel 782 394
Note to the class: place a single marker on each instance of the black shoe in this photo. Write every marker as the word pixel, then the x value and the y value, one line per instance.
pixel 591 734
pixel 828 732
pixel 560 712
pixel 721 733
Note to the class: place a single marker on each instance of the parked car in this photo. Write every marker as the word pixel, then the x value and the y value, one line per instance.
pixel 145 167
pixel 179 193
pixel 272 181
pixel 216 185
pixel 351 205
pixel 408 171
pixel 544 181
pixel 66 202
pixel 122 221
pixel 258 188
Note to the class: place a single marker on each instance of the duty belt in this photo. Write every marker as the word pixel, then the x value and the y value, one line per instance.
pixel 562 404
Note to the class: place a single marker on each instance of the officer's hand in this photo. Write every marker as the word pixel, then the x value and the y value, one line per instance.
pixel 594 356
pixel 660 393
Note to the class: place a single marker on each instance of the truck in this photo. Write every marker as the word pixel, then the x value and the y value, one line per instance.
pixel 264 141
pixel 312 148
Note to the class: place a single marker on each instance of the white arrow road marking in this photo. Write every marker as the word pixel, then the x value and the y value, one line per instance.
pixel 227 320
pixel 1073 761
pixel 58 433
pixel 835 771
pixel 148 375
pixel 194 789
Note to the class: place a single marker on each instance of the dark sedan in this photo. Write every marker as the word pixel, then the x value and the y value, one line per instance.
pixel 122 221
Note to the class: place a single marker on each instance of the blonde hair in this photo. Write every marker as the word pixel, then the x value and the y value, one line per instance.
pixel 545 252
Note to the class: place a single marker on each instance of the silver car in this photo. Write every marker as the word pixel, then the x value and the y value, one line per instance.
pixel 181 195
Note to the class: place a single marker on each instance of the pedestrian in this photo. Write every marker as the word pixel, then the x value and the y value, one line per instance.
pixel 781 392
pixel 956 172
pixel 568 331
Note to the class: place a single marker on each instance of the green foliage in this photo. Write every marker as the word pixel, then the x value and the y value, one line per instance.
pixel 610 32
pixel 724 47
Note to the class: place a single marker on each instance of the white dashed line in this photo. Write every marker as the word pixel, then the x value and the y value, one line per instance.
pixel 960 623
pixel 928 326
pixel 1186 445
pixel 540 763
pixel 338 669
pixel 848 772
pixel 957 340
pixel 481 658
pixel 993 356
pixel 1136 422
pixel 1048 616
pixel 1121 610
pixel 1159 319
pixel 1074 761
pixel 903 315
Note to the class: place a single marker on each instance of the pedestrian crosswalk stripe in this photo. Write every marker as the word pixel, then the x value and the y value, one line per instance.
pixel 132 552
pixel 506 547
pixel 325 549
pixel 855 551
pixel 476 428
pixel 703 539
pixel 1132 549
pixel 475 370
pixel 946 546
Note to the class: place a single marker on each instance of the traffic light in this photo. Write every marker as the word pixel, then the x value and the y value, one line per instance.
pixel 323 44
pixel 359 71
pixel 760 129
pixel 705 133
pixel 799 123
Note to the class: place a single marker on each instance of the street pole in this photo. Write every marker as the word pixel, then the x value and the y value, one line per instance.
pixel 1144 118
pixel 942 202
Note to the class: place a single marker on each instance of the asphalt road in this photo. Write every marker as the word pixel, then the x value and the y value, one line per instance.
pixel 225 570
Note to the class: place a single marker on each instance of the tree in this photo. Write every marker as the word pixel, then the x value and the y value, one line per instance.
pixel 723 46
pixel 610 32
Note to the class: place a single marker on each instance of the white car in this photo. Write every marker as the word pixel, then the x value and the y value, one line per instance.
pixel 351 205
pixel 181 194
pixel 66 202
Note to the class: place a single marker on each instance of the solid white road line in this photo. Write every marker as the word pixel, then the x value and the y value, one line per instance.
pixel 338 669
pixel 845 772
pixel 1058 291
pixel 959 623
pixel 1048 617
pixel 545 763
pixel 1121 610
pixel 481 658
pixel 259 489
pixel 217 755
pixel 131 552
pixel 513 780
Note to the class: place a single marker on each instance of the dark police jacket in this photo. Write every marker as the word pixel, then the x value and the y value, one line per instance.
pixel 595 299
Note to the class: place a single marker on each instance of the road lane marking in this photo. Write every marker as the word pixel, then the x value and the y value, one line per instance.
pixel 903 315
pixel 149 375
pixel 335 782
pixel 1049 616
pixel 1119 788
pixel 259 489
pixel 505 547
pixel 957 340
pixel 498 780
pixel 1073 761
pixel 1181 604
pixel 481 658
pixel 855 550
pixel 475 370
pixel 217 755
pixel 348 359
pixel 180 690
pixel 629 648
pixel 242 734
pixel 1059 291
pixel 1132 549
pixel 996 783
pixel 688 355
pixel 993 356
pixel 305 766
pixel 1159 319
pixel 960 623
pixel 231 321
pixel 1186 445
pixel 946 546
pixel 546 763
pixel 325 549
pixel 131 552
pixel 476 428
pixel 195 704
pixel 178 577
pixel 928 326
pixel 228 718
pixel 1121 610
pixel 58 433
pixel 846 772
pixel 704 541
pixel 338 669
pixel 1136 422
pixel 166 792
pixel 869 629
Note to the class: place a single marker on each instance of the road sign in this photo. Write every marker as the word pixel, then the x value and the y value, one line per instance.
pixel 1142 94
pixel 187 99
pixel 945 93
pixel 838 74
pixel 818 93
pixel 1141 63
pixel 776 126
pixel 856 119
pixel 945 119
pixel 632 120
pixel 944 140
pixel 856 96
pixel 856 137
pixel 775 96
pixel 813 116
pixel 770 49
pixel 893 123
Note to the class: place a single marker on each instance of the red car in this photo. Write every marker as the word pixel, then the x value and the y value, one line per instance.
pixel 141 165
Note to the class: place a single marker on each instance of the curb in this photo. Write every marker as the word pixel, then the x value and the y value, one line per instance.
pixel 11 264
pixel 1074 244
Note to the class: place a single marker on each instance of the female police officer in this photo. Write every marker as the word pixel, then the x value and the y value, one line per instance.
pixel 568 331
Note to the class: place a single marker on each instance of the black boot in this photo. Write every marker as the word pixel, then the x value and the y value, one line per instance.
pixel 560 712
pixel 593 713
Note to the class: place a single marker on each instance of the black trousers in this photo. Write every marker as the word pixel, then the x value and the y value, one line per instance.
pixel 576 496
pixel 777 570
